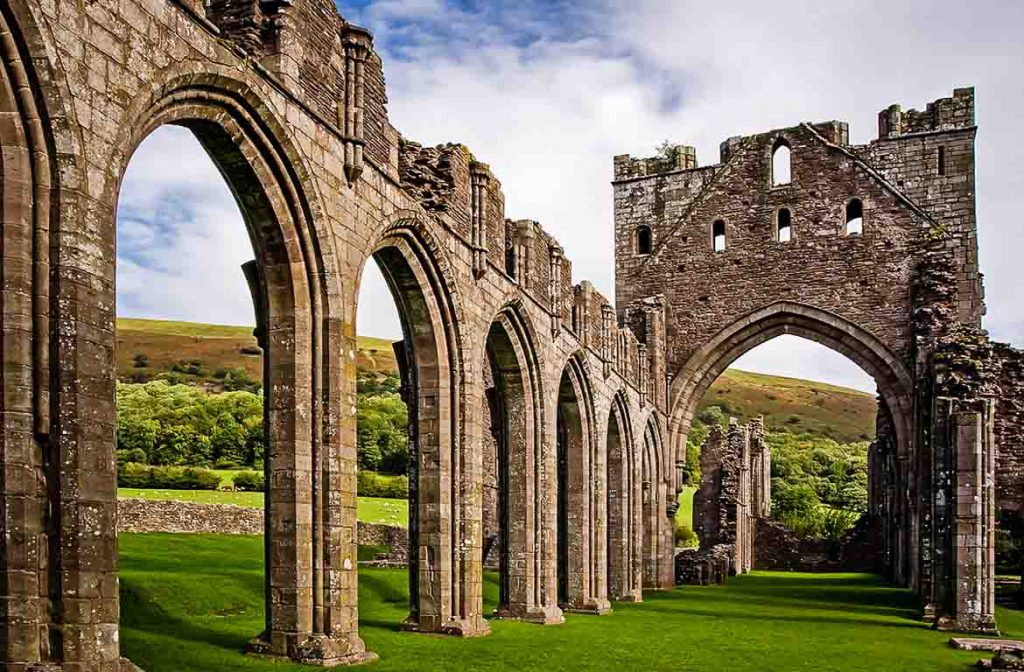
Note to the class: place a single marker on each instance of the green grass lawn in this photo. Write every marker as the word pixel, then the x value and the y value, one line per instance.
pixel 172 620
pixel 684 514
pixel 370 509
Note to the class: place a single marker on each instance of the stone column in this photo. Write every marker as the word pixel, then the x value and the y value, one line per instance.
pixel 973 521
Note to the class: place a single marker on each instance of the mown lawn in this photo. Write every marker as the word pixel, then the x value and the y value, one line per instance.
pixel 684 515
pixel 370 509
pixel 190 603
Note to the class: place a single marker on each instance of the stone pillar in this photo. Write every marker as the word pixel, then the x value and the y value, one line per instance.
pixel 480 177
pixel 555 256
pixel 357 44
pixel 282 49
pixel 973 521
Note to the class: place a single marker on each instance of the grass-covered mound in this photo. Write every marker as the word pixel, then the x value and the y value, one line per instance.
pixel 190 603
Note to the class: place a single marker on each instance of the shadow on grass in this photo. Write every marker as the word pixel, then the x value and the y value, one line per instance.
pixel 139 612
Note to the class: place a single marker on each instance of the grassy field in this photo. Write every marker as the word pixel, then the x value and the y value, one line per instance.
pixel 684 515
pixel 370 509
pixel 794 405
pixel 765 622
pixel 216 346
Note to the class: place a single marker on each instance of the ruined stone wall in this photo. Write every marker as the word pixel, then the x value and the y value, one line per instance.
pixel 1009 429
pixel 289 101
pixel 734 492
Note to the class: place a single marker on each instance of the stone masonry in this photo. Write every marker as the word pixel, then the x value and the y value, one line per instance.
pixel 734 492
pixel 590 403
pixel 870 250
pixel 289 100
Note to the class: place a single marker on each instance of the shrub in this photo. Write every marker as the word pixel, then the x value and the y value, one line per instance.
pixel 134 455
pixel 228 465
pixel 140 361
pixel 250 350
pixel 132 475
pixel 371 484
pixel 806 524
pixel 836 523
pixel 249 481
pixel 685 537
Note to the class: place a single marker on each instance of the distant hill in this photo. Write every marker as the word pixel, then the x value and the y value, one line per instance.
pixel 787 403
pixel 166 346
pixel 794 405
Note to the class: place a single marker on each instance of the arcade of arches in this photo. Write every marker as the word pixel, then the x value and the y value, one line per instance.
pixel 578 409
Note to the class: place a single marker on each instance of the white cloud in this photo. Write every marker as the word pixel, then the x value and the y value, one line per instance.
pixel 181 238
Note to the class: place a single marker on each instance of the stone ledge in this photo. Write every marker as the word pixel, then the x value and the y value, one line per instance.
pixel 986 644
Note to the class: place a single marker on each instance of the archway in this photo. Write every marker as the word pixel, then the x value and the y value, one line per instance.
pixel 529 582
pixel 581 580
pixel 891 450
pixel 309 564
pixel 694 377
pixel 657 527
pixel 444 593
pixel 623 498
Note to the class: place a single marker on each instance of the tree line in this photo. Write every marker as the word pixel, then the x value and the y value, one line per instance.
pixel 175 424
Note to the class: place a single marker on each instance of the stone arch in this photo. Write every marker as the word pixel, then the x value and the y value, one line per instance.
pixel 785 317
pixel 33 538
pixel 444 597
pixel 300 321
pixel 657 527
pixel 581 576
pixel 623 498
pixel 529 567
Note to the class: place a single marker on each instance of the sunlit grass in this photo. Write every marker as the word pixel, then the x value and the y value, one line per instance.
pixel 191 602
pixel 370 509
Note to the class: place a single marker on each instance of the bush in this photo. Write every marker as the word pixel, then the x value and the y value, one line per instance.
pixel 836 523
pixel 140 361
pixel 371 484
pixel 226 465
pixel 132 475
pixel 685 537
pixel 136 455
pixel 249 481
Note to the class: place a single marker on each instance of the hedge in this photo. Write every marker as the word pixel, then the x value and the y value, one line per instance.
pixel 249 481
pixel 372 484
pixel 134 475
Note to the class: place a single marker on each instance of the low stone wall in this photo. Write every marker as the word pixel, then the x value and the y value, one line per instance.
pixel 776 547
pixel 147 515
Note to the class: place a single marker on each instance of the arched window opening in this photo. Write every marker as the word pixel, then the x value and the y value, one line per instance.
pixel 854 217
pixel 784 231
pixel 781 164
pixel 644 239
pixel 718 235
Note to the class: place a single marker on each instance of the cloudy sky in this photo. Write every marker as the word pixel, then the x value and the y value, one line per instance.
pixel 548 92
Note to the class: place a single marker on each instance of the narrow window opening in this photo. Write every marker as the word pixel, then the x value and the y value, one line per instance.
pixel 510 261
pixel 718 236
pixel 644 240
pixel 785 224
pixel 780 164
pixel 942 161
pixel 854 217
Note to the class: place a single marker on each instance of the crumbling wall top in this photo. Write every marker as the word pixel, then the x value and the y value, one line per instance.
pixel 944 114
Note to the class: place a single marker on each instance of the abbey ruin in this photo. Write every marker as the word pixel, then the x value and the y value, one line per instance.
pixel 541 414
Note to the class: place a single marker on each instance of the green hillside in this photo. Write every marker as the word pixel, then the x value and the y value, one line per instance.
pixel 199 353
pixel 797 406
